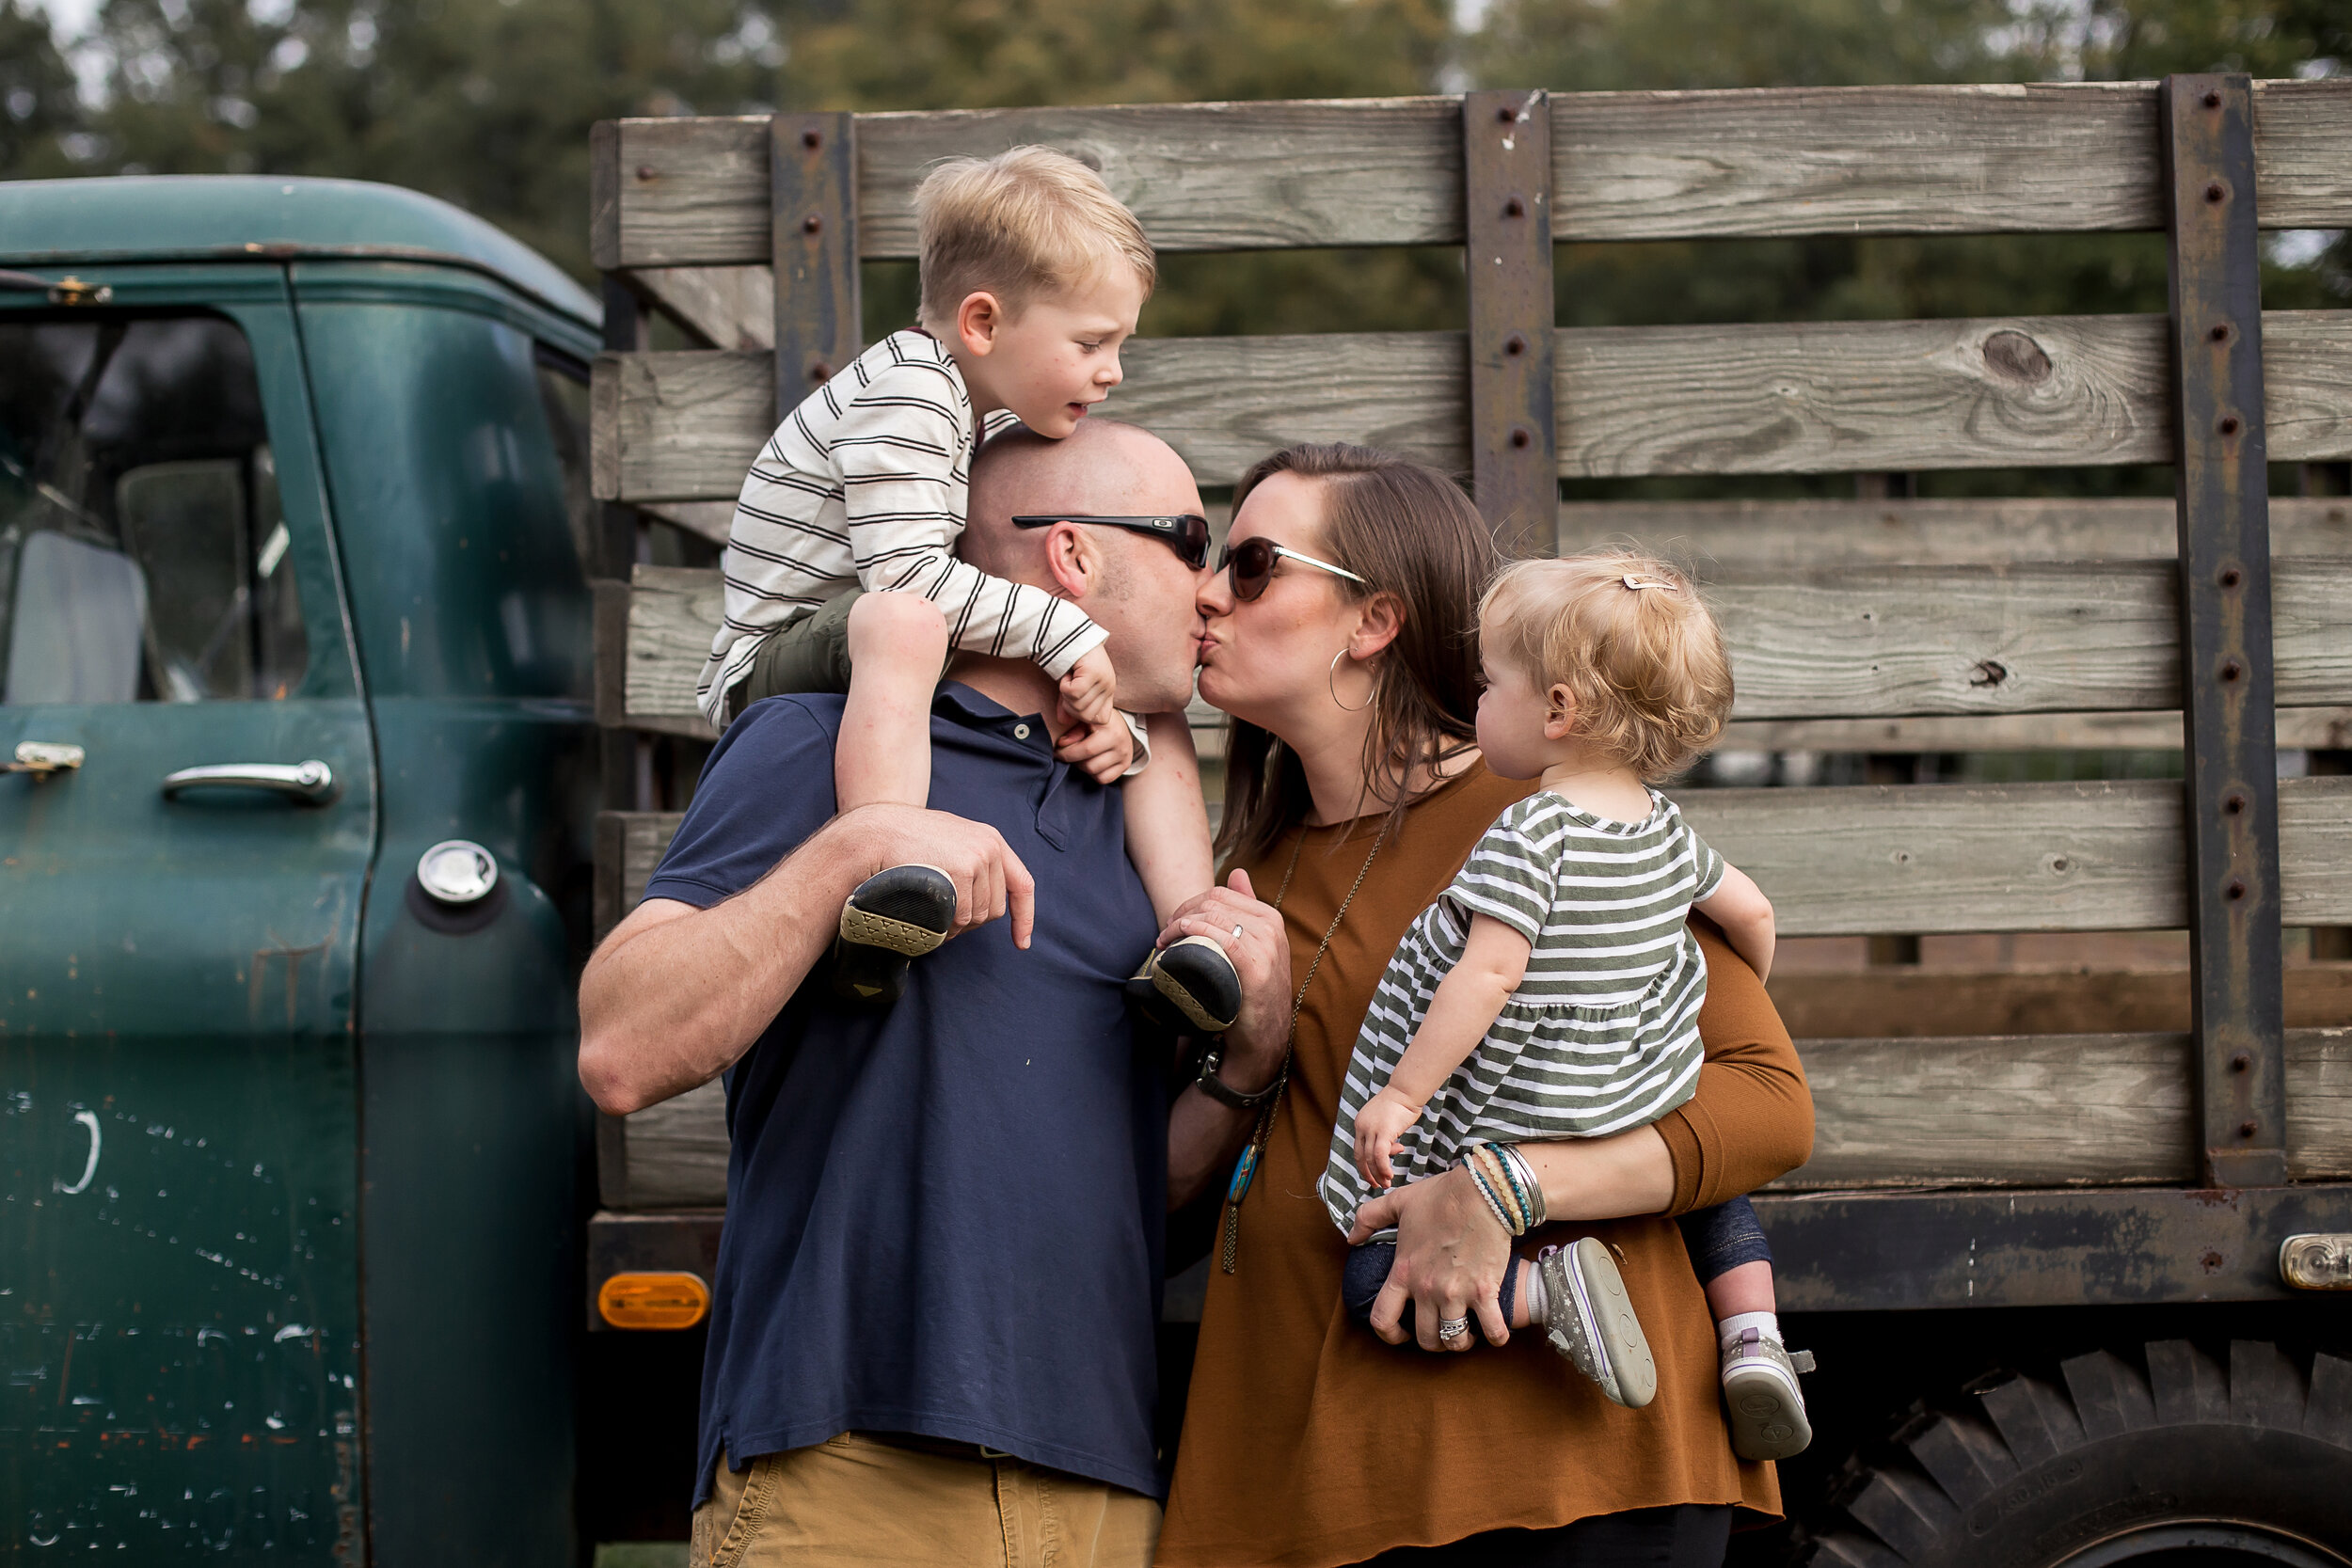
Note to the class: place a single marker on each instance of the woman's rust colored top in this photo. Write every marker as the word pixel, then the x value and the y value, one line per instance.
pixel 1307 1440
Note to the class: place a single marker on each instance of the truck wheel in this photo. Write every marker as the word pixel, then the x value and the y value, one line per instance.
pixel 2191 1463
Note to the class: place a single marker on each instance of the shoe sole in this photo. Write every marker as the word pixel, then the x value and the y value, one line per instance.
pixel 1180 996
pixel 1767 1419
pixel 1631 1373
pixel 907 915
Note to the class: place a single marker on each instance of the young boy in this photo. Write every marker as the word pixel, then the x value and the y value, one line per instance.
pixel 840 573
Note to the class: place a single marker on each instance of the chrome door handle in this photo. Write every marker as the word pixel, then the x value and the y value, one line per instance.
pixel 311 783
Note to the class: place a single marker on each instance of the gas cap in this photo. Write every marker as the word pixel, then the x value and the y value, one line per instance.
pixel 457 872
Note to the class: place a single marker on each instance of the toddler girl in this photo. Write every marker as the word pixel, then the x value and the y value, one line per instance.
pixel 1553 991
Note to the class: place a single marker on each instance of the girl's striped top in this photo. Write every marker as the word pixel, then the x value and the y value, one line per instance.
pixel 868 483
pixel 1602 1034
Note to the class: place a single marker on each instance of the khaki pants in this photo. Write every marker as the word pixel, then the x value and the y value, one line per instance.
pixel 856 1499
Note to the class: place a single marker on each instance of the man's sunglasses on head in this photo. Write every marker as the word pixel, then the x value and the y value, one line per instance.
pixel 1186 534
pixel 1252 563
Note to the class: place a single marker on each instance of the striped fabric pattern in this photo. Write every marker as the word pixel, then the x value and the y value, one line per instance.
pixel 1602 1034
pixel 866 484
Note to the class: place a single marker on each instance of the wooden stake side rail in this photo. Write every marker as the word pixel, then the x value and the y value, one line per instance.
pixel 1627 166
pixel 1867 642
pixel 1931 859
pixel 1778 397
pixel 2111 1109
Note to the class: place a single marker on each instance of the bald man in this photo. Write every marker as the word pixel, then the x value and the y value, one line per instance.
pixel 932 1335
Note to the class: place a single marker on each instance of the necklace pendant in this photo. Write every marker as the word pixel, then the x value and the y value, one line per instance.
pixel 1245 1169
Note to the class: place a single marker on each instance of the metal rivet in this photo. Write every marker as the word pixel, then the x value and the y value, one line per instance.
pixel 2235 889
pixel 1515 207
pixel 2229 425
pixel 2212 1260
pixel 645 171
pixel 2220 332
pixel 819 371
pixel 2213 101
pixel 2232 669
pixel 2247 1128
pixel 2233 802
pixel 812 139
pixel 2228 576
pixel 2241 1063
pixel 2215 193
pixel 1515 344
pixel 812 224
pixel 1506 115
pixel 1521 436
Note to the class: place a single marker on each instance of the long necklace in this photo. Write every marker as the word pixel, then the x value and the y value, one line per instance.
pixel 1245 1168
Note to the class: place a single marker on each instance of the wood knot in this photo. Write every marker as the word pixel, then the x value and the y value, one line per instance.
pixel 1989 672
pixel 2012 354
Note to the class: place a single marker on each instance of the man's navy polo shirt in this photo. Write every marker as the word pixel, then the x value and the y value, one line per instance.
pixel 944 1218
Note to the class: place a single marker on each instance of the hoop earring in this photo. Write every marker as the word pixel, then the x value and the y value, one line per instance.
pixel 1331 680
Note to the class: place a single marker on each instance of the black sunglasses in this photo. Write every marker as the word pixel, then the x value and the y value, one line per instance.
pixel 1186 534
pixel 1252 563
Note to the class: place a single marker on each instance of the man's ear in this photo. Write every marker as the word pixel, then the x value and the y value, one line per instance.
pixel 1383 618
pixel 1074 561
pixel 976 321
pixel 1559 712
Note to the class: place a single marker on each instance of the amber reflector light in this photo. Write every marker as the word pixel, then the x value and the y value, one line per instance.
pixel 654 1299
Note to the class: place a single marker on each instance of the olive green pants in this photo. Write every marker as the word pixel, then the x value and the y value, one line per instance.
pixel 860 1500
pixel 810 655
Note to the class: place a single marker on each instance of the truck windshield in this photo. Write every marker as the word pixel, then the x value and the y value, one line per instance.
pixel 143 554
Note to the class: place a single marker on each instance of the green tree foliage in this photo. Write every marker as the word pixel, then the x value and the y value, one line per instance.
pixel 37 107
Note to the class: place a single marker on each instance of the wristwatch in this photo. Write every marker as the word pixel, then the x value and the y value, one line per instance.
pixel 1224 1093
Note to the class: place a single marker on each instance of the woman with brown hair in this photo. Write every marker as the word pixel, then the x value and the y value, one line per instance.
pixel 1340 636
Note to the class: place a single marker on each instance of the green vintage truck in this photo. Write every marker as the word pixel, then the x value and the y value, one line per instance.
pixel 294 633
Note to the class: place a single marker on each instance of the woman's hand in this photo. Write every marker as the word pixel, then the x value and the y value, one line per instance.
pixel 1451 1252
pixel 1251 934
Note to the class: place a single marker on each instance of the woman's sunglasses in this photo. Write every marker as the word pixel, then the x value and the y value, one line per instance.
pixel 1252 564
pixel 1186 534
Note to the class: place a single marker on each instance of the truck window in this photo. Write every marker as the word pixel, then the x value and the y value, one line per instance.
pixel 563 388
pixel 142 549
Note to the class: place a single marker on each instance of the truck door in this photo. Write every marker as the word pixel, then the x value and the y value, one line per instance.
pixel 184 846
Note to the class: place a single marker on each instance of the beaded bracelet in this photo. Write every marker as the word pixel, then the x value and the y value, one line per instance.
pixel 1502 1216
pixel 1532 1191
pixel 1495 1177
pixel 1512 1177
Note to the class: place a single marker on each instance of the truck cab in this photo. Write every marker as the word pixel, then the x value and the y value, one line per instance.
pixel 296 709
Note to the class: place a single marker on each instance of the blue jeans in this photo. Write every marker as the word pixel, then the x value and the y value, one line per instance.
pixel 1719 1239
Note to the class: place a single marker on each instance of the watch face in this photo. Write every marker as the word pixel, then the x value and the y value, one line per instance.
pixel 457 872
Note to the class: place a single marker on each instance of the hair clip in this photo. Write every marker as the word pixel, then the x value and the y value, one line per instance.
pixel 1644 582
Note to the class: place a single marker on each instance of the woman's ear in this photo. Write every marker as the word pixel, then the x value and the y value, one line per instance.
pixel 1383 617
pixel 976 321
pixel 1559 712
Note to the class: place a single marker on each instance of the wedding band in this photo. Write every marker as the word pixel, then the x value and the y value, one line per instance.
pixel 1451 1328
pixel 1236 933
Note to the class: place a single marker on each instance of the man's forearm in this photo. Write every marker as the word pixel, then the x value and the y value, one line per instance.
pixel 674 1003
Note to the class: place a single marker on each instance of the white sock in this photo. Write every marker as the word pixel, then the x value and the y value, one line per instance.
pixel 1766 1323
pixel 1532 1295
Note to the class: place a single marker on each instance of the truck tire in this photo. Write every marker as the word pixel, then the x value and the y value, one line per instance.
pixel 2189 1462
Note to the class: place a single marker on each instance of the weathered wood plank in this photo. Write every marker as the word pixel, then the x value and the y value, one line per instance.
pixel 1779 398
pixel 683 192
pixel 2044 1110
pixel 2327 728
pixel 2036 1109
pixel 2059 856
pixel 1902 1002
pixel 707 520
pixel 1936 858
pixel 732 308
pixel 629 846
pixel 1712 537
pixel 1828 643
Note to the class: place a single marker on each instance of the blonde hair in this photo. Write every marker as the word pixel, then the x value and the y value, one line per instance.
pixel 1646 664
pixel 1027 222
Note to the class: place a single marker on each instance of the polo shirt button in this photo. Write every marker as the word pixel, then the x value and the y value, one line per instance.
pixel 1021 732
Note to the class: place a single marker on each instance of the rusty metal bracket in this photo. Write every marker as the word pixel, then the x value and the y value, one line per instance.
pixel 1506 168
pixel 2238 1013
pixel 812 181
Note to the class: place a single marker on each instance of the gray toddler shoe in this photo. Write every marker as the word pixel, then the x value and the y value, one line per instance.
pixel 1760 1391
pixel 1589 1319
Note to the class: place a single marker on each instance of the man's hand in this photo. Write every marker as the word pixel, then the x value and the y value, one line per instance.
pixel 1090 687
pixel 1451 1252
pixel 1380 1128
pixel 1104 751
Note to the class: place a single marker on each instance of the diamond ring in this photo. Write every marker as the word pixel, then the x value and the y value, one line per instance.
pixel 1451 1329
